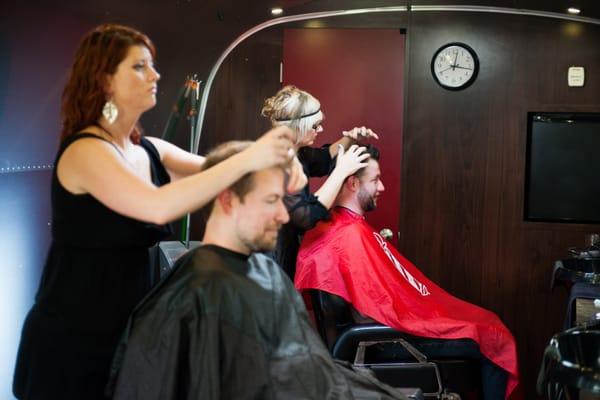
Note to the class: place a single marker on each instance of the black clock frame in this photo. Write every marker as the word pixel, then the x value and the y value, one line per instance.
pixel 475 66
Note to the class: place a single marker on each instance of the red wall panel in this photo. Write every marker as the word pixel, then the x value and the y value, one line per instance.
pixel 357 74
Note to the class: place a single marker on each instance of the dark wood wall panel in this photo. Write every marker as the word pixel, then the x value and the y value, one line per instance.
pixel 464 165
pixel 247 77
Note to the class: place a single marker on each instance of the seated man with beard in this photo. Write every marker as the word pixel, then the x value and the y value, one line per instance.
pixel 346 257
pixel 227 323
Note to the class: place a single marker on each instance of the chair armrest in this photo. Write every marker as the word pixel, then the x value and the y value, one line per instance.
pixel 345 346
pixel 352 344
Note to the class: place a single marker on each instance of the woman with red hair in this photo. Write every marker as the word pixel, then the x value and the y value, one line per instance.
pixel 112 198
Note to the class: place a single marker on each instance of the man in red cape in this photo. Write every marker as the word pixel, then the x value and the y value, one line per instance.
pixel 348 258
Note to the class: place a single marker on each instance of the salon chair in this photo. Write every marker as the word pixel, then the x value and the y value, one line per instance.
pixel 395 357
pixel 571 365
pixel 163 255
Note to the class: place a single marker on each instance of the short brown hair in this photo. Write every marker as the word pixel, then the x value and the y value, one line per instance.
pixel 220 153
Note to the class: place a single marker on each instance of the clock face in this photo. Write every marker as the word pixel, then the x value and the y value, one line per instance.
pixel 454 66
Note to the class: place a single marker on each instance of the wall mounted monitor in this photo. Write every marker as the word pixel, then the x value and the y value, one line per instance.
pixel 562 178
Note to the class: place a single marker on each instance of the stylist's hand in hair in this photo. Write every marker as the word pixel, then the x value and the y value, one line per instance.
pixel 360 133
pixel 351 160
pixel 272 148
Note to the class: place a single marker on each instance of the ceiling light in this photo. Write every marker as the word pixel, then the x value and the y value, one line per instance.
pixel 276 11
pixel 573 10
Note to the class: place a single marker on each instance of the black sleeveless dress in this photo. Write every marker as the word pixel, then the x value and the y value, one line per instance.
pixel 96 271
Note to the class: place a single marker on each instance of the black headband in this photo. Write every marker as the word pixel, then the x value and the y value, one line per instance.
pixel 300 117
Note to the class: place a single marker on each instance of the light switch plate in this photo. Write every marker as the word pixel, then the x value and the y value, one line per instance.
pixel 576 76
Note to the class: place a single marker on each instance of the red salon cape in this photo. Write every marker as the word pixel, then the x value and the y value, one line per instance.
pixel 346 257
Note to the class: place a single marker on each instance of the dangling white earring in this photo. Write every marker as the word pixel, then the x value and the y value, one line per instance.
pixel 110 112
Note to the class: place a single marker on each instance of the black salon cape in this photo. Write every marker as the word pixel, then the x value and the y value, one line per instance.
pixel 222 326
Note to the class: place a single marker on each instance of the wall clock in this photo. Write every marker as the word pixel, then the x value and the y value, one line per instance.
pixel 455 66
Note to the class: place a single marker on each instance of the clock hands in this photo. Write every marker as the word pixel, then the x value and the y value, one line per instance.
pixel 455 59
pixel 453 66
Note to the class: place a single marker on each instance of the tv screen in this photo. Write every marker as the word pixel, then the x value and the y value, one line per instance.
pixel 562 182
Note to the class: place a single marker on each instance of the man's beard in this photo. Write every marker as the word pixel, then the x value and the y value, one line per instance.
pixel 367 201
pixel 262 242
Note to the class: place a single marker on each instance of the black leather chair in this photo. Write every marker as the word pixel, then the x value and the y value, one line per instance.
pixel 397 358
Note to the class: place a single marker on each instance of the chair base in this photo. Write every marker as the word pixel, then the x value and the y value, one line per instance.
pixel 457 376
pixel 412 393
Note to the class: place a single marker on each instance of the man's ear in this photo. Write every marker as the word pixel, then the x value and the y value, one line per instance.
pixel 225 200
pixel 353 183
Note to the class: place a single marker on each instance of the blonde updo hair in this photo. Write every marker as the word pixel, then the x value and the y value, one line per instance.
pixel 294 108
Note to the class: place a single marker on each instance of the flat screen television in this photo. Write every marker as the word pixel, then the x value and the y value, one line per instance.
pixel 562 181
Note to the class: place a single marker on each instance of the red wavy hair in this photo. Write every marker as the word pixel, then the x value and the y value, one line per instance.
pixel 100 52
